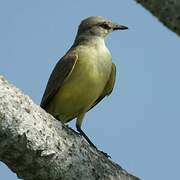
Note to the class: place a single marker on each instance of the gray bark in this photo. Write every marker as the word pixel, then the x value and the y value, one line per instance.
pixel 36 146
pixel 167 11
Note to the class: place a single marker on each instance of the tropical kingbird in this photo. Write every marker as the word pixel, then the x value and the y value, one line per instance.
pixel 84 75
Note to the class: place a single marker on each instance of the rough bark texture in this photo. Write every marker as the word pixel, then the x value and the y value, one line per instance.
pixel 36 146
pixel 167 11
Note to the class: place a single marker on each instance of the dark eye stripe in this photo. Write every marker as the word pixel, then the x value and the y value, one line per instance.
pixel 105 26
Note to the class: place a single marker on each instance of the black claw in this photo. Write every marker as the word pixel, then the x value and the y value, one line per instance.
pixel 105 154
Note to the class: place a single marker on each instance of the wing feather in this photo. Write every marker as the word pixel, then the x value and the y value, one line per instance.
pixel 61 72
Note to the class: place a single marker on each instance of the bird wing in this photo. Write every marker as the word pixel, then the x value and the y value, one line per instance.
pixel 109 86
pixel 61 72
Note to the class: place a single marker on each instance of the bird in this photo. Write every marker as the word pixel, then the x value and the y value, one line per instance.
pixel 84 75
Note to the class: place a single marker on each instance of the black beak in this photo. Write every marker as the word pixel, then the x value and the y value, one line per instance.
pixel 119 27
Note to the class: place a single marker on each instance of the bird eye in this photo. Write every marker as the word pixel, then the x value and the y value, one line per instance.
pixel 105 26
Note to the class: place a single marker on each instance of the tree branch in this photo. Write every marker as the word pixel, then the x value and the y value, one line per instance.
pixel 36 146
pixel 167 11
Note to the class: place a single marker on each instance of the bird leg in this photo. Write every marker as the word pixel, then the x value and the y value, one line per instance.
pixel 85 136
pixel 89 141
pixel 78 127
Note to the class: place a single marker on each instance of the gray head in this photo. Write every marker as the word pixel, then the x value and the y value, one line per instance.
pixel 98 26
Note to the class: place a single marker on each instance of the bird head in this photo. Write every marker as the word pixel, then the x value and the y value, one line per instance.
pixel 98 26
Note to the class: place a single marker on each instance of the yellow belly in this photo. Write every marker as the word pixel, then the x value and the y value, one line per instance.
pixel 82 88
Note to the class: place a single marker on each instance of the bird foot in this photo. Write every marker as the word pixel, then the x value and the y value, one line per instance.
pixel 90 143
pixel 105 154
